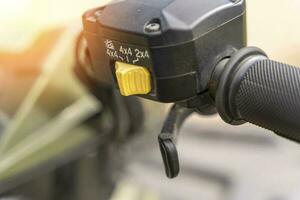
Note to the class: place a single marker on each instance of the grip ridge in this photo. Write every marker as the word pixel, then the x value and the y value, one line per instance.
pixel 269 96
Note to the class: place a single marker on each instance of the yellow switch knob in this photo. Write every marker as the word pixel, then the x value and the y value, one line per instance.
pixel 132 79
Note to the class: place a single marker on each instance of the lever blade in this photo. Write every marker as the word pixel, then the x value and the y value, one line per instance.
pixel 168 136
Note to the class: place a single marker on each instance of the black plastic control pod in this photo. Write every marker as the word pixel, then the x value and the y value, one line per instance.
pixel 178 42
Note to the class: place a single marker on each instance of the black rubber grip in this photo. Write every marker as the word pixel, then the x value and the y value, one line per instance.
pixel 268 95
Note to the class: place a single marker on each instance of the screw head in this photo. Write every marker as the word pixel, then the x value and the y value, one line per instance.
pixel 152 27
pixel 98 13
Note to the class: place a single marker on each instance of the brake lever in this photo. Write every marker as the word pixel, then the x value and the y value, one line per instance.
pixel 168 137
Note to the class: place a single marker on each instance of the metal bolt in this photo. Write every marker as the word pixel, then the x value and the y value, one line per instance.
pixel 98 13
pixel 152 27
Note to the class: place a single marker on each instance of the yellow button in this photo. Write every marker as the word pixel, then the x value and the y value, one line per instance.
pixel 132 79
